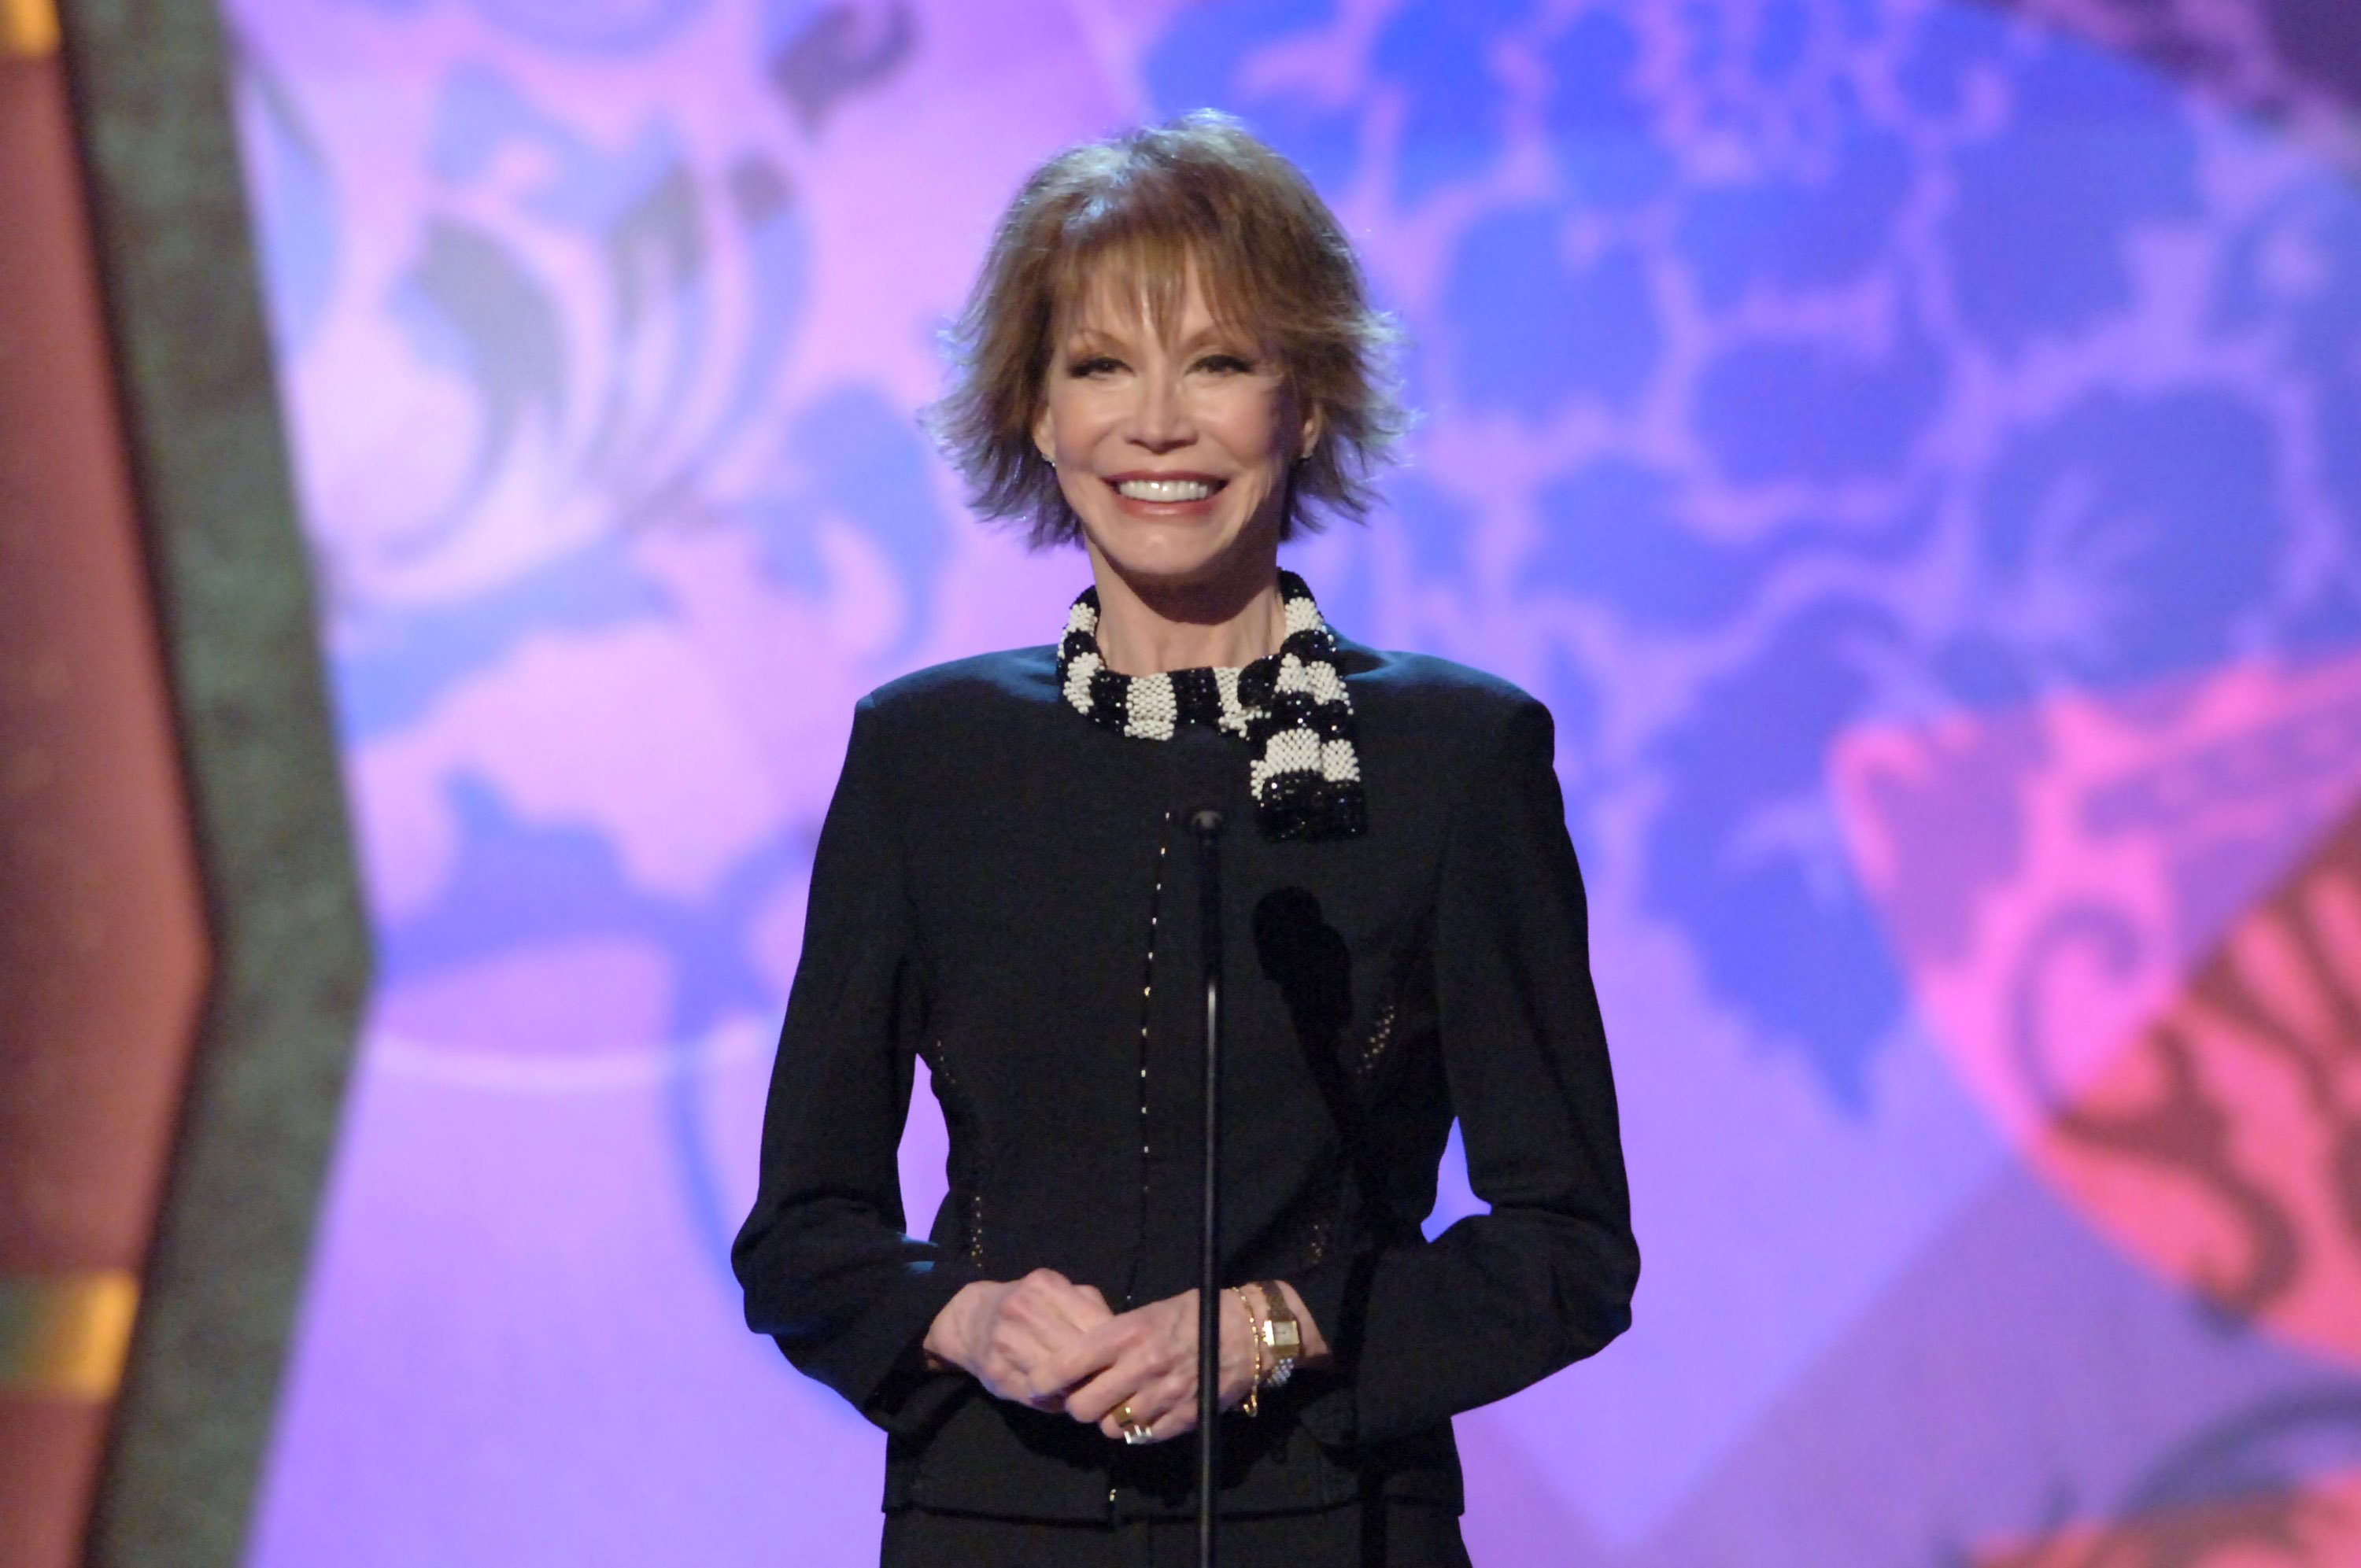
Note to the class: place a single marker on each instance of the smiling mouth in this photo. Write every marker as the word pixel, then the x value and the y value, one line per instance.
pixel 1166 490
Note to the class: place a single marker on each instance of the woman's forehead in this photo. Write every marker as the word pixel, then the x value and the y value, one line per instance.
pixel 1171 295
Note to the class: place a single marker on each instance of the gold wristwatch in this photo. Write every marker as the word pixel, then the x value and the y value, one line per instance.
pixel 1281 1334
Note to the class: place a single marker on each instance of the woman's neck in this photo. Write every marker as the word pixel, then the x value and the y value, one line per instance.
pixel 1147 629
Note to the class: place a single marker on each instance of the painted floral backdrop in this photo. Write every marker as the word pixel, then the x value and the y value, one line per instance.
pixel 1913 446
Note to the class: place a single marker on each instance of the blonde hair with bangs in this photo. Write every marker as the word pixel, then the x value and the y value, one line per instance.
pixel 1140 211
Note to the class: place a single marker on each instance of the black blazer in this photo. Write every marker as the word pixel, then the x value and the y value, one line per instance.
pixel 1009 891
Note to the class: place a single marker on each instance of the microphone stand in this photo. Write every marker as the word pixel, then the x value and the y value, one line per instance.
pixel 1207 826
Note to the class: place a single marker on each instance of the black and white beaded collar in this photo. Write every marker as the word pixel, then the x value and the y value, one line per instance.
pixel 1293 707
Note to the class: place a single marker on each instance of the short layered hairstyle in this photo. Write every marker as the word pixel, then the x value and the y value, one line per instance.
pixel 1136 213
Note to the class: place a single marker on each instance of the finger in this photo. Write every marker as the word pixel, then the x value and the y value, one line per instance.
pixel 1054 1301
pixel 1146 1374
pixel 1138 1375
pixel 1128 1418
pixel 1080 1309
pixel 1095 1352
pixel 1027 1362
pixel 1095 1397
pixel 1055 1365
pixel 1006 1373
pixel 1039 1328
pixel 1167 1412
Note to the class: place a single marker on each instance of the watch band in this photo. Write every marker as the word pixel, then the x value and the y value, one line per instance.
pixel 1280 1333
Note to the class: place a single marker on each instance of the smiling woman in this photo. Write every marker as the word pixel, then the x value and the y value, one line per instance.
pixel 1182 226
pixel 1170 358
pixel 1172 444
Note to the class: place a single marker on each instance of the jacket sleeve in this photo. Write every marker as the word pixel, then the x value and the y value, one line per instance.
pixel 1423 1330
pixel 826 1269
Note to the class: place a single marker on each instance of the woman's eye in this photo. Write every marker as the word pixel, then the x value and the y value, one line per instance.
pixel 1096 365
pixel 1225 364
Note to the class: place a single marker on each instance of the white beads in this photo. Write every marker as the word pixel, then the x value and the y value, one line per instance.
pixel 1077 680
pixel 1150 709
pixel 1309 770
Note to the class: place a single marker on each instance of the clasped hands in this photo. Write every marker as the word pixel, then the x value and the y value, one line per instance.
pixel 1048 1342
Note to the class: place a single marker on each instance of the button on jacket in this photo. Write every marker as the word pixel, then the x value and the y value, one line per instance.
pixel 1009 892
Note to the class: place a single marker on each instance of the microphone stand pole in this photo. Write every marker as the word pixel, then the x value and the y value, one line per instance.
pixel 1207 826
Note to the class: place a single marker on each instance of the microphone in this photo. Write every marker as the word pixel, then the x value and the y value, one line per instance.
pixel 1206 824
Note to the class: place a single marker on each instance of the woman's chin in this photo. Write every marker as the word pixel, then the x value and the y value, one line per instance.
pixel 1168 558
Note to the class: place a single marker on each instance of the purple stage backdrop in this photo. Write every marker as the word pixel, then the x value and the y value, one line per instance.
pixel 1913 446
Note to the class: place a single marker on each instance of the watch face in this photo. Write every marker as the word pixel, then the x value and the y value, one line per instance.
pixel 1284 1338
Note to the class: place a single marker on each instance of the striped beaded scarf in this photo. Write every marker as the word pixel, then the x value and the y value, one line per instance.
pixel 1293 707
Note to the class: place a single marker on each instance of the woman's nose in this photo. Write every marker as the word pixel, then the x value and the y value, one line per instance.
pixel 1160 421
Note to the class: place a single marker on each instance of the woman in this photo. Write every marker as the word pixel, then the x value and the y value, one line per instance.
pixel 1169 357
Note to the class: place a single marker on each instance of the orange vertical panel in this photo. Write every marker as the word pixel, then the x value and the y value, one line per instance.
pixel 102 950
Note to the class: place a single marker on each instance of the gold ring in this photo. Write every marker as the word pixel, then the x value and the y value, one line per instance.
pixel 1133 1432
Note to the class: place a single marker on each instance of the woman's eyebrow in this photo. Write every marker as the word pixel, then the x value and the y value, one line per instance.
pixel 1094 339
pixel 1230 334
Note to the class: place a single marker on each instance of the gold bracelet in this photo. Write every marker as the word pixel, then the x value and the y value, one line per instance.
pixel 1252 1403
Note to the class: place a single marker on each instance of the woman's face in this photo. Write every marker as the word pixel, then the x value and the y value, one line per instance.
pixel 1172 449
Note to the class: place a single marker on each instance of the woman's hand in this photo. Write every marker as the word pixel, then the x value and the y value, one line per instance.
pixel 1015 1336
pixel 1145 1363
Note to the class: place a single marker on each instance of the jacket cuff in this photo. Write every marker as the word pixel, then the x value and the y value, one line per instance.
pixel 894 1386
pixel 1335 1292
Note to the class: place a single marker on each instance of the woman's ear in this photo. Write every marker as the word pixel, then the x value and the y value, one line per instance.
pixel 1045 439
pixel 1312 425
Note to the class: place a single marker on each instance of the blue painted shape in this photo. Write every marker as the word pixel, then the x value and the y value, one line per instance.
pixel 1813 411
pixel 1197 63
pixel 2316 312
pixel 1345 584
pixel 1437 523
pixel 520 884
pixel 591 27
pixel 2330 620
pixel 1788 232
pixel 1194 62
pixel 2340 453
pixel 1612 534
pixel 2134 538
pixel 1534 330
pixel 1571 693
pixel 2293 278
pixel 1982 671
pixel 297 225
pixel 1782 35
pixel 1602 129
pixel 471 304
pixel 774 244
pixel 481 114
pixel 1745 857
pixel 1436 53
pixel 2043 212
pixel 394 664
pixel 1704 27
pixel 1951 44
pixel 855 455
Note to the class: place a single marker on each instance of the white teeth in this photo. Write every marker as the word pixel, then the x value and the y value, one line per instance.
pixel 1164 490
